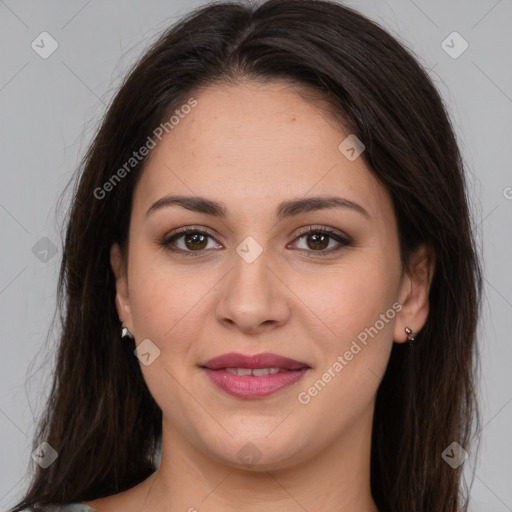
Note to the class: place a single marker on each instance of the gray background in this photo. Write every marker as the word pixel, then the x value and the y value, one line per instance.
pixel 51 107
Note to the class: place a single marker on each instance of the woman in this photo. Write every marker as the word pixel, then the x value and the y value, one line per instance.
pixel 273 219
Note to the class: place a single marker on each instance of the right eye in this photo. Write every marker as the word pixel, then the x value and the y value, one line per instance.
pixel 191 239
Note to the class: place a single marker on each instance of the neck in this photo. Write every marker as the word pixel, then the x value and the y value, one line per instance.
pixel 336 478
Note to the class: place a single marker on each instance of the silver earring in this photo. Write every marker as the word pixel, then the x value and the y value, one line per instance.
pixel 410 334
pixel 125 333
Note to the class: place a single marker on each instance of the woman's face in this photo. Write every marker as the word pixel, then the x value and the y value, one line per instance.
pixel 251 282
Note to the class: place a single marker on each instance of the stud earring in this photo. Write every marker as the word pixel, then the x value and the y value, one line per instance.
pixel 410 334
pixel 125 333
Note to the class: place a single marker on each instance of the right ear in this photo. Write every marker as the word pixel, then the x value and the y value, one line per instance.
pixel 122 299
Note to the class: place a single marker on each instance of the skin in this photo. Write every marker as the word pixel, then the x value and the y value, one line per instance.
pixel 251 146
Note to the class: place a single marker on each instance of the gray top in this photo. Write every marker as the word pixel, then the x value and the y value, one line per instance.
pixel 68 507
pixel 76 507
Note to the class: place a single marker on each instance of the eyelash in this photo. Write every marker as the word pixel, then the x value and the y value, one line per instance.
pixel 342 240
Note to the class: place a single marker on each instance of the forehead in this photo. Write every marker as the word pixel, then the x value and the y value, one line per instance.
pixel 254 142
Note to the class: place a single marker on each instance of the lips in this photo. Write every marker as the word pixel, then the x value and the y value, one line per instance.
pixel 256 376
pixel 256 361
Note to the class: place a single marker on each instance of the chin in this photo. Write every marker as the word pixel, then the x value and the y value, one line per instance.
pixel 259 454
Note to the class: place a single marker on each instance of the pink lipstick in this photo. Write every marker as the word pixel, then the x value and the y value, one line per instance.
pixel 253 376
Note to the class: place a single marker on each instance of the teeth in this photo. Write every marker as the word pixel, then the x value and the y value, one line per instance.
pixel 243 371
pixel 260 372
pixel 257 372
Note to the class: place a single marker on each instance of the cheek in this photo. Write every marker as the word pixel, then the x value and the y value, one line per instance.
pixel 355 306
pixel 167 304
pixel 346 301
pixel 353 348
pixel 165 298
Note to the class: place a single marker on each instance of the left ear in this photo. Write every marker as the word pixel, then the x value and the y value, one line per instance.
pixel 414 292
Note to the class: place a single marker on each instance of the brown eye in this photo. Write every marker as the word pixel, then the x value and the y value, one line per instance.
pixel 195 241
pixel 322 241
pixel 317 241
pixel 188 240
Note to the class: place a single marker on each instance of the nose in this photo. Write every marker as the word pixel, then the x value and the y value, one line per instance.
pixel 254 297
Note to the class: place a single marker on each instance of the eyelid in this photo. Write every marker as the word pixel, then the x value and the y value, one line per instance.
pixel 186 229
pixel 321 228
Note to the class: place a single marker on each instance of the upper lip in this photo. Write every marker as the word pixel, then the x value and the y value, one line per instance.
pixel 264 360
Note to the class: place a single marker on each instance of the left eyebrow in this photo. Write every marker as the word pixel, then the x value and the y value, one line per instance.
pixel 284 210
pixel 309 204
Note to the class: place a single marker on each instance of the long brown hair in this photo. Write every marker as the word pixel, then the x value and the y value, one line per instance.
pixel 101 418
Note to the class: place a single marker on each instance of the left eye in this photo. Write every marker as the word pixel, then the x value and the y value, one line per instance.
pixel 319 239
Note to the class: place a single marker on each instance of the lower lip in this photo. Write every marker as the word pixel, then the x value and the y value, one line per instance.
pixel 250 386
